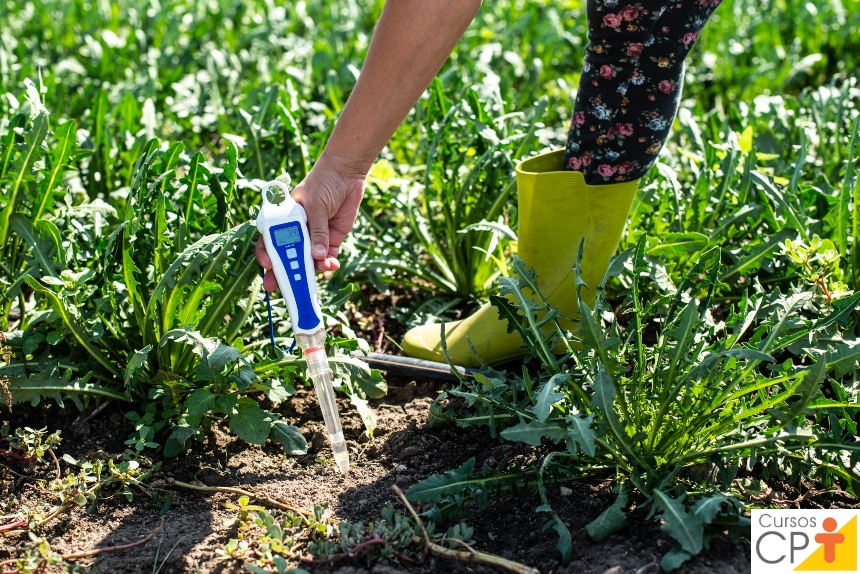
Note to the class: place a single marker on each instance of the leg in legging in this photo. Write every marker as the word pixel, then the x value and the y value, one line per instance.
pixel 620 122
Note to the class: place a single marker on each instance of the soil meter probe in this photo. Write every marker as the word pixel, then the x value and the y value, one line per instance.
pixel 284 227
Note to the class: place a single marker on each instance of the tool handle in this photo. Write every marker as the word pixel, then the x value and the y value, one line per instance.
pixel 285 235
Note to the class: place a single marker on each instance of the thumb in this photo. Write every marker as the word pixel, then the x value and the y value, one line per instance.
pixel 318 229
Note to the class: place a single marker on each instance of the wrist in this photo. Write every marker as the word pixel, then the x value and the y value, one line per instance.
pixel 344 164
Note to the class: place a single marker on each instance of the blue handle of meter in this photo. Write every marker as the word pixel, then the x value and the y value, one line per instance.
pixel 289 242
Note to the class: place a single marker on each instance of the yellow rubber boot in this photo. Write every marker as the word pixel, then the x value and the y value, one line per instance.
pixel 556 210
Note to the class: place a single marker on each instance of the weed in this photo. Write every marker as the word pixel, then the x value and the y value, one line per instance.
pixel 701 395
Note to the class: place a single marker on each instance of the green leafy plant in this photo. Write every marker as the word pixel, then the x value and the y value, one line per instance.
pixel 819 266
pixel 144 312
pixel 34 160
pixel 38 556
pixel 85 489
pixel 704 394
pixel 458 214
pixel 265 542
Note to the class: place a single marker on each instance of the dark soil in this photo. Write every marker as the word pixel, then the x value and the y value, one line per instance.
pixel 403 451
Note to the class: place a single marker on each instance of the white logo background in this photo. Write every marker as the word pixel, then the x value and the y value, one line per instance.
pixel 785 538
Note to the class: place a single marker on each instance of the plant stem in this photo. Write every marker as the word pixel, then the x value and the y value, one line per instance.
pixel 254 495
pixel 464 556
pixel 14 525
pixel 362 548
pixel 57 463
pixel 820 282
pixel 97 551
pixel 22 323
pixel 12 454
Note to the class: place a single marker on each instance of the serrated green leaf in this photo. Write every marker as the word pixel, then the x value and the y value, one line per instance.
pixel 677 245
pixel 547 396
pixel 843 359
pixel 277 392
pixel 47 384
pixel 806 389
pixel 842 312
pixel 532 432
pixel 333 305
pixel 786 208
pixel 590 332
pixel 357 375
pixel 708 507
pixel 21 171
pixel 66 141
pixel 221 356
pixel 68 318
pixel 579 432
pixel 436 486
pixel 137 361
pixel 508 312
pixel 214 353
pixel 759 253
pixel 438 416
pixel 565 543
pixel 42 253
pixel 680 524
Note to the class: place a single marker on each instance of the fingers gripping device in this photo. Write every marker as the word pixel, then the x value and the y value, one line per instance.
pixel 284 227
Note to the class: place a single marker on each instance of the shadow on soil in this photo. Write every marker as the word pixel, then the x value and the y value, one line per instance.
pixel 404 452
pixel 509 526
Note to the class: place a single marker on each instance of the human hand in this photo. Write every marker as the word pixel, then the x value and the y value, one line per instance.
pixel 330 194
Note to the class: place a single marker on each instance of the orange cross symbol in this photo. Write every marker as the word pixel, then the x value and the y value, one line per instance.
pixel 829 539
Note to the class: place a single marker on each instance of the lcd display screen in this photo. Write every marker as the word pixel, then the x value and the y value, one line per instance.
pixel 287 236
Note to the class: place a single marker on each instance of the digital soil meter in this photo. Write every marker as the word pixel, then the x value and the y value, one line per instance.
pixel 284 227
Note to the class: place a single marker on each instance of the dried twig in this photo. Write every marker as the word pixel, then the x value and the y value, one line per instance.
pixel 57 463
pixel 97 551
pixel 254 495
pixel 100 408
pixel 472 556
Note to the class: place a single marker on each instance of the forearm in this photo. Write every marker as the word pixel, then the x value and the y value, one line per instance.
pixel 412 40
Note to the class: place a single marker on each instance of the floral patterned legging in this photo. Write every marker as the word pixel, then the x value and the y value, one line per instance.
pixel 631 84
